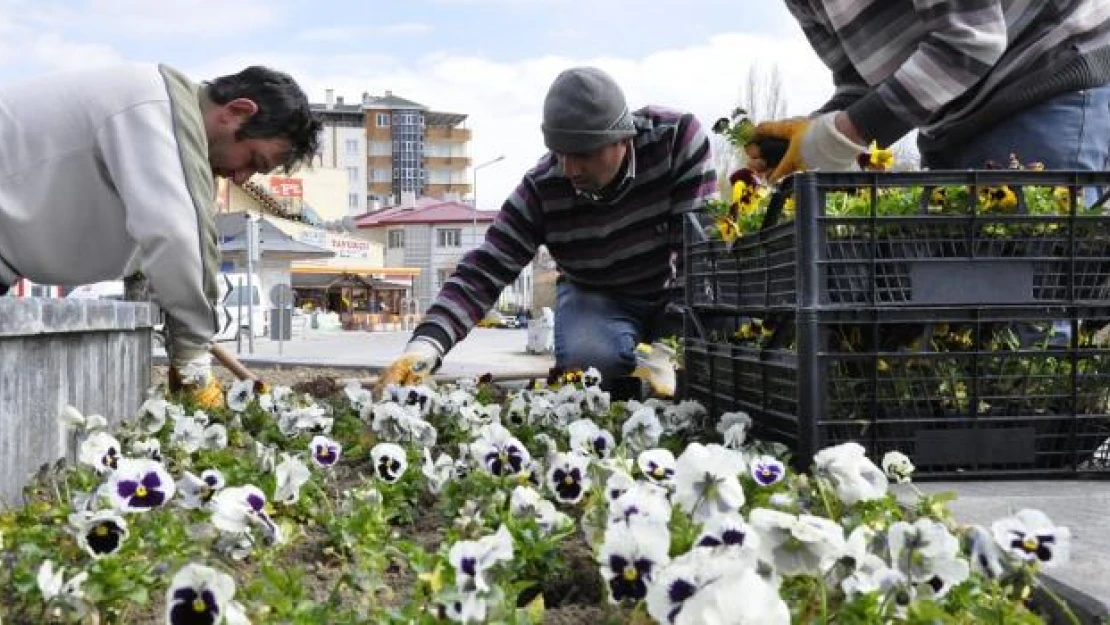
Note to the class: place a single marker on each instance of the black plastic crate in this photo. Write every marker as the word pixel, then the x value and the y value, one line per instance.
pixel 962 391
pixel 843 250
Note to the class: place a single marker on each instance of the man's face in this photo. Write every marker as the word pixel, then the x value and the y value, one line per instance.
pixel 237 159
pixel 593 171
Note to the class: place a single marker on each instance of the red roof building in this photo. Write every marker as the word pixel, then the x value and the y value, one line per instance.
pixel 425 210
pixel 433 235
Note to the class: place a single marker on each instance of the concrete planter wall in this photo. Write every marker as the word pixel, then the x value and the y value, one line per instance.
pixel 92 354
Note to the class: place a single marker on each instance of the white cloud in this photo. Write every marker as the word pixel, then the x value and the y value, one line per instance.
pixel 143 19
pixel 505 99
pixel 54 52
pixel 353 34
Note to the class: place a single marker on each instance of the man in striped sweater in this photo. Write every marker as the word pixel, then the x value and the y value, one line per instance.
pixel 980 80
pixel 607 201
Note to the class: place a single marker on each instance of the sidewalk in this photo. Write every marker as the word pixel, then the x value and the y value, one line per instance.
pixel 1083 506
pixel 485 350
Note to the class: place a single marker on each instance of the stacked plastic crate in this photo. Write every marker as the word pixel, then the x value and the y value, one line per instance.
pixel 959 317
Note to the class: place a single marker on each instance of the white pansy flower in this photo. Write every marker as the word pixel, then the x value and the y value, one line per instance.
pixel 641 504
pixel 196 491
pixel 472 559
pixel 797 545
pixel 100 451
pixel 437 472
pixel 568 477
pixel 642 430
pixel 100 533
pixel 587 438
pixel 851 473
pixel 499 452
pixel 215 436
pixel 152 415
pixel 240 394
pixel 200 594
pixel 745 598
pixel 390 462
pixel 139 485
pixel 359 398
pixel 147 448
pixel 630 558
pixel 1031 536
pixel 734 427
pixel 685 577
pixel 325 451
pixel 597 400
pixel 897 466
pixel 292 474
pixel 728 531
pixel 706 481
pixel 657 465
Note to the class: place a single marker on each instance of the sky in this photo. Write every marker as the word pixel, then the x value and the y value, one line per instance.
pixel 490 59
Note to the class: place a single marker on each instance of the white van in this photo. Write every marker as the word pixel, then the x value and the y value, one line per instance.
pixel 233 305
pixel 111 289
pixel 231 322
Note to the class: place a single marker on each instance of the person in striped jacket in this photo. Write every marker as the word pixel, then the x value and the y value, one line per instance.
pixel 608 201
pixel 979 79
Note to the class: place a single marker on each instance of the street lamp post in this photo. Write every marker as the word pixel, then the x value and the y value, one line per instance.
pixel 474 195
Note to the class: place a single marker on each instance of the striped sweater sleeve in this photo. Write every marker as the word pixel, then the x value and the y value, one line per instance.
pixel 964 39
pixel 850 87
pixel 694 179
pixel 471 291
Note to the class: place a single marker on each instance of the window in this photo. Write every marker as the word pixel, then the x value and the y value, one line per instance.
pixel 449 237
pixel 381 175
pixel 383 120
pixel 239 297
pixel 396 239
pixel 442 275
pixel 352 147
pixel 352 175
pixel 381 148
pixel 352 200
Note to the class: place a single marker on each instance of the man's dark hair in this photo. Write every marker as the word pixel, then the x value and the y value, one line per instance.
pixel 283 110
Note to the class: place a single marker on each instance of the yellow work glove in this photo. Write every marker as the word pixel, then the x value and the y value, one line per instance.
pixel 814 144
pixel 413 367
pixel 199 384
pixel 655 364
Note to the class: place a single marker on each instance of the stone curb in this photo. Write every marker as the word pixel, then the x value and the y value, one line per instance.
pixel 31 316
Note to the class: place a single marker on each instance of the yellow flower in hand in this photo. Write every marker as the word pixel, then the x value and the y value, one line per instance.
pixel 727 229
pixel 879 159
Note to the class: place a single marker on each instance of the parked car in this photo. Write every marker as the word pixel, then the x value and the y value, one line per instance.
pixel 494 319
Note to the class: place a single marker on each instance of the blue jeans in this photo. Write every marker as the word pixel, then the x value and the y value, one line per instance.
pixel 1070 131
pixel 594 329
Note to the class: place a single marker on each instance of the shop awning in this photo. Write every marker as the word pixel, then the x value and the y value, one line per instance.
pixel 343 279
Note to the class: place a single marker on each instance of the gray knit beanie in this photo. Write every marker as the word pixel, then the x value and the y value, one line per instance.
pixel 583 111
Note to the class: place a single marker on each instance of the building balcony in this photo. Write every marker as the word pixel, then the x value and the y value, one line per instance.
pixel 437 190
pixel 445 133
pixel 447 162
pixel 374 133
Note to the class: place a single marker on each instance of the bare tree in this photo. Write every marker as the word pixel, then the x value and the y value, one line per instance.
pixel 762 94
pixel 762 97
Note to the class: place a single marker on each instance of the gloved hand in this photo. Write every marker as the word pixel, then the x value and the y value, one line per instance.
pixel 655 364
pixel 413 367
pixel 195 378
pixel 814 144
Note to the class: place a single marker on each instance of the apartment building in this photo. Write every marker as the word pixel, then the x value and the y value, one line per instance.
pixel 389 145
pixel 433 235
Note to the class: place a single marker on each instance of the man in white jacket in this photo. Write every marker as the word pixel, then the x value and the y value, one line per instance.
pixel 106 171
